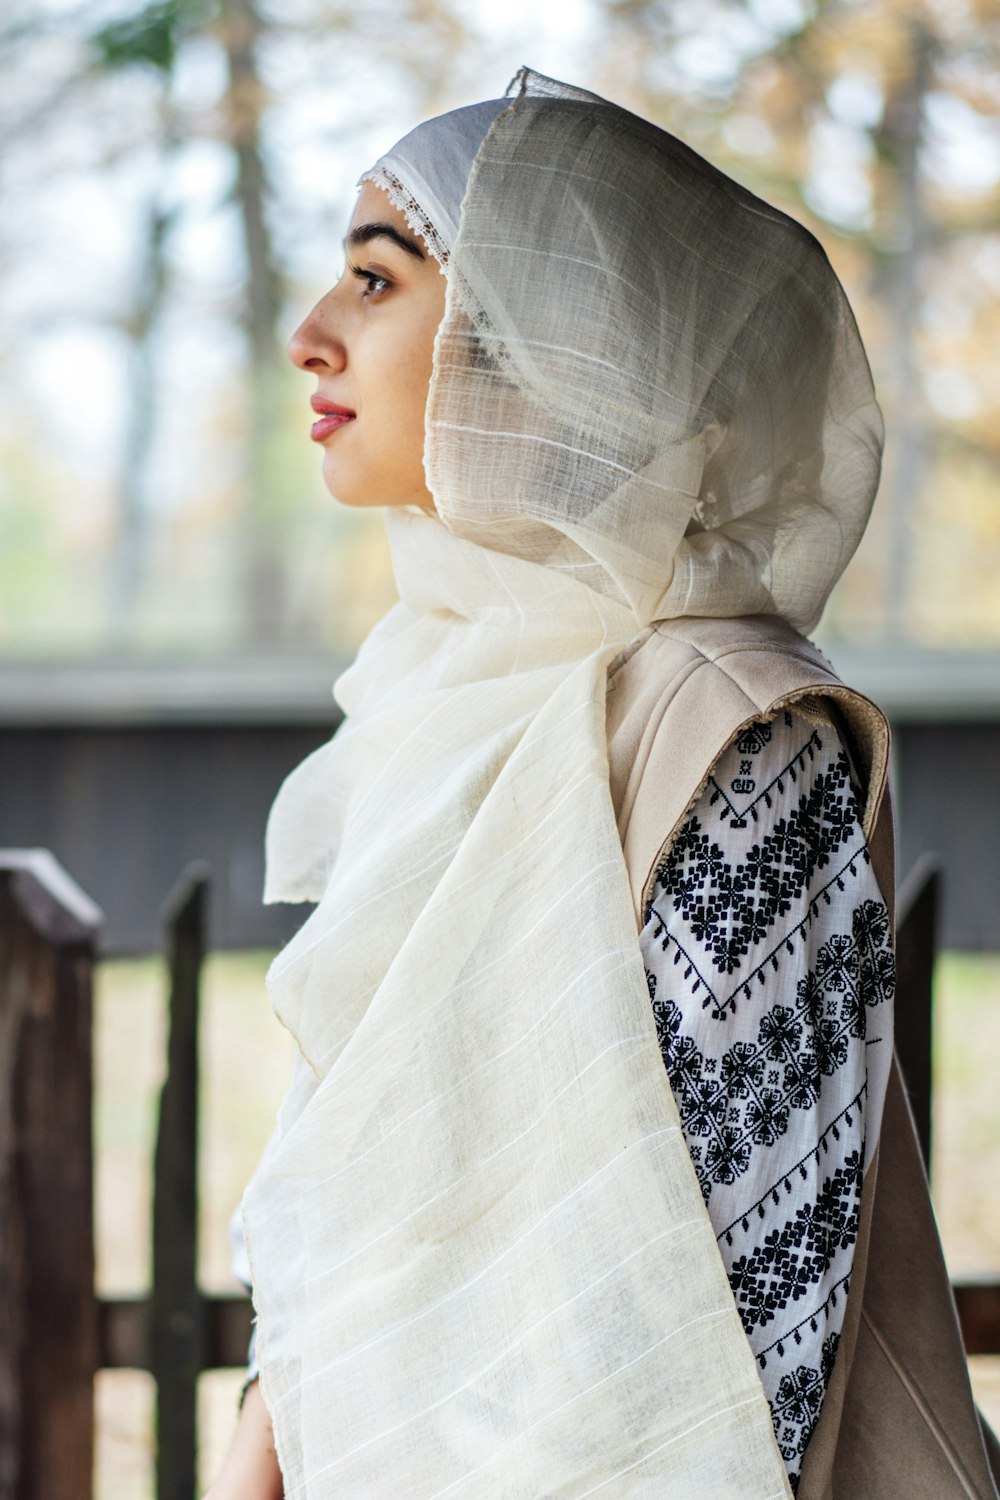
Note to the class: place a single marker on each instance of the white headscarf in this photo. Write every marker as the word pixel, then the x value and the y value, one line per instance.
pixel 427 172
pixel 481 1261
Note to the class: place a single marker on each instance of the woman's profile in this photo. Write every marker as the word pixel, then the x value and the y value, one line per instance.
pixel 594 1175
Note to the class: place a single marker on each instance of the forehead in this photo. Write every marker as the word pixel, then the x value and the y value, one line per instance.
pixel 372 205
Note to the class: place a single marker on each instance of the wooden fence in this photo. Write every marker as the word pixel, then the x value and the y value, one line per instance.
pixel 54 1332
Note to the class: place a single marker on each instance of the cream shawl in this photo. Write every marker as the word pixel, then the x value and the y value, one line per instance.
pixel 481 1262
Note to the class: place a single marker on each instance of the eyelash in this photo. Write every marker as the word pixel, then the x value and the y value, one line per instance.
pixel 377 285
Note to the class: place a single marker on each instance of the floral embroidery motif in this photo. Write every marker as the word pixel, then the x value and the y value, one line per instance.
pixel 795 1409
pixel 749 1102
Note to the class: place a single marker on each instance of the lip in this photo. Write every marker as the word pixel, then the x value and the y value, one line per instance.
pixel 331 418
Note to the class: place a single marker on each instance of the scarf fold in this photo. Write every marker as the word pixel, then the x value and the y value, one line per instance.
pixel 481 1261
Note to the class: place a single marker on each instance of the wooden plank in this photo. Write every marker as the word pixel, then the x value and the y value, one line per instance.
pixel 177 1331
pixel 48 1317
pixel 125 1341
pixel 228 1321
pixel 979 1314
pixel 916 948
pixel 49 898
pixel 123 1330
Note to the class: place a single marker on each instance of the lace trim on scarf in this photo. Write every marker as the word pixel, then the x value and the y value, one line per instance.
pixel 416 217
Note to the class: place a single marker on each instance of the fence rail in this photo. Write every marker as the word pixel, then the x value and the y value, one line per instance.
pixel 54 1332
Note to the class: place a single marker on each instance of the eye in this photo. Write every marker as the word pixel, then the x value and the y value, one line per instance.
pixel 376 285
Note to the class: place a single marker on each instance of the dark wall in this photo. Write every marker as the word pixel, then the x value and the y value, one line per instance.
pixel 947 790
pixel 126 808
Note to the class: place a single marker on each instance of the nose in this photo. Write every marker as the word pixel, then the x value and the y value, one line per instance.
pixel 315 345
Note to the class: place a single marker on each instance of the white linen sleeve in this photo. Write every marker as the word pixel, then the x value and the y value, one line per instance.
pixel 770 965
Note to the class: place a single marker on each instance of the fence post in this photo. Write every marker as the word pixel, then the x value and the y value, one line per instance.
pixel 48 1315
pixel 178 1316
pixel 916 947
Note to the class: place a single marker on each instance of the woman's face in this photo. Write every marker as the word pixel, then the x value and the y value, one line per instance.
pixel 370 344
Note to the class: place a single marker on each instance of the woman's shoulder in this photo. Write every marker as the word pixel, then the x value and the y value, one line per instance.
pixel 681 695
pixel 760 656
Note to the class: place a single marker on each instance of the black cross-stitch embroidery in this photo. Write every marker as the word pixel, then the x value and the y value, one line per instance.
pixel 729 908
pixel 754 737
pixel 812 1320
pixel 845 1117
pixel 760 1082
pixel 749 743
pixel 719 1006
pixel 793 1258
pixel 735 917
pixel 796 1407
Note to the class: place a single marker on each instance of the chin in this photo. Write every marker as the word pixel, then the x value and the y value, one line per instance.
pixel 340 488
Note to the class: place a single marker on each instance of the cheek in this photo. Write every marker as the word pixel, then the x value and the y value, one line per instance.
pixel 395 434
pixel 411 381
pixel 381 461
pixel 420 358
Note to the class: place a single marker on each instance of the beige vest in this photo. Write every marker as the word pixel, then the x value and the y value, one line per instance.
pixel 898 1419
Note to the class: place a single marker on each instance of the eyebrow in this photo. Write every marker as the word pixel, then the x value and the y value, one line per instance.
pixel 362 234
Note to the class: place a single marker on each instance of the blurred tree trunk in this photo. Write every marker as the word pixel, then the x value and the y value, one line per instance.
pixel 899 140
pixel 264 575
pixel 143 40
pixel 128 564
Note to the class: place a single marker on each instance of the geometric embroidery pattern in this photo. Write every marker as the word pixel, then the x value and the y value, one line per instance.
pixel 745 1097
pixel 728 907
pixel 794 1257
pixel 796 1407
pixel 771 974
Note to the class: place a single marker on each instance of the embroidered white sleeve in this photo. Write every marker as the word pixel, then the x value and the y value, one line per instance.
pixel 771 972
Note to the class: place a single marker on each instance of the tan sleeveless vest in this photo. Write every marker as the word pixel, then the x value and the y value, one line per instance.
pixel 898 1419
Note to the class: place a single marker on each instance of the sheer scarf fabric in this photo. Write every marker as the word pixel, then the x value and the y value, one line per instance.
pixel 481 1261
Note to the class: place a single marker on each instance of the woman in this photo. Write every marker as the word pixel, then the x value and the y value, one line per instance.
pixel 573 1190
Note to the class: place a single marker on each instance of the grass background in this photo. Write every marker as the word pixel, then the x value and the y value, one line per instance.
pixel 246 1058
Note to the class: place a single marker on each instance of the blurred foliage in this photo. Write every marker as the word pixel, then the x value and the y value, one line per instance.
pixel 176 174
pixel 151 36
